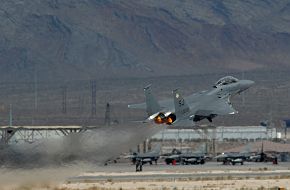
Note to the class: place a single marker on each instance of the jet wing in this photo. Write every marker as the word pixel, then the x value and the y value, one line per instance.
pixel 219 107
pixel 224 107
pixel 137 106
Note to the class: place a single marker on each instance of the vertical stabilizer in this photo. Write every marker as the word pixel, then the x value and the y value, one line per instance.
pixel 152 106
pixel 181 107
pixel 157 149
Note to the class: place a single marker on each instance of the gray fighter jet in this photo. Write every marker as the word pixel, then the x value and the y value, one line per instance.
pixel 198 106
pixel 148 157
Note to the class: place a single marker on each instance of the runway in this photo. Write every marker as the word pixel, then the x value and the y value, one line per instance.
pixel 123 172
pixel 211 175
pixel 157 176
pixel 184 176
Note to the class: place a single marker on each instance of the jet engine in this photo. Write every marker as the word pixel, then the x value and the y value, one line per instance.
pixel 167 118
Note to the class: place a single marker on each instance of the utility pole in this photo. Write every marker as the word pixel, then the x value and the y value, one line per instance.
pixel 64 95
pixel 10 116
pixel 9 132
pixel 94 99
pixel 35 88
pixel 108 115
pixel 243 94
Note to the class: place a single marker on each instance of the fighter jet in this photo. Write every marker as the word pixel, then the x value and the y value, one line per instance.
pixel 196 107
pixel 148 157
pixel 232 158
pixel 261 156
pixel 139 159
pixel 196 157
pixel 185 158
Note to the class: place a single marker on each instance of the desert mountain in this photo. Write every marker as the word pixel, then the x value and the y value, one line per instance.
pixel 80 39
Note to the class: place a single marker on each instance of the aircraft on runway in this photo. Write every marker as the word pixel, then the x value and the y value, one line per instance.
pixel 148 157
pixel 262 156
pixel 198 106
pixel 139 159
pixel 232 158
pixel 245 155
pixel 185 159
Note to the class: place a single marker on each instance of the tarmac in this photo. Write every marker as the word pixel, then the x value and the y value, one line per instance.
pixel 122 175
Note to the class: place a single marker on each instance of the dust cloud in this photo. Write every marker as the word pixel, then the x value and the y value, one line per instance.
pixel 56 159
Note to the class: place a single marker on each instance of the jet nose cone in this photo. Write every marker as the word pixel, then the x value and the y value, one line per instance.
pixel 250 83
pixel 247 84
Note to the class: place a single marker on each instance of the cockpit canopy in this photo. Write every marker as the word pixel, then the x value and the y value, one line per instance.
pixel 226 80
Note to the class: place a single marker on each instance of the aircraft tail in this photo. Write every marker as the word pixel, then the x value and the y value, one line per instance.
pixel 156 149
pixel 181 107
pixel 152 106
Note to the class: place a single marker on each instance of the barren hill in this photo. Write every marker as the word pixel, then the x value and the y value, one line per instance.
pixel 81 39
pixel 50 45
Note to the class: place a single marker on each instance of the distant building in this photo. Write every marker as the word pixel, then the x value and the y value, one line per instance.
pixel 221 133
pixel 267 146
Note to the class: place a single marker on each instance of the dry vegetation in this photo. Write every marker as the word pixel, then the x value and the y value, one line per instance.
pixel 223 182
pixel 206 183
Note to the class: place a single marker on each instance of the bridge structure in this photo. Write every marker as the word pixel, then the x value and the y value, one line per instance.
pixel 15 134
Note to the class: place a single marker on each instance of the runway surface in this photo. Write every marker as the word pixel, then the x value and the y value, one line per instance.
pixel 211 176
pixel 123 172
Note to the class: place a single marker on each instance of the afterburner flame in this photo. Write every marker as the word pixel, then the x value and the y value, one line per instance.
pixel 161 119
pixel 169 120
pixel 158 120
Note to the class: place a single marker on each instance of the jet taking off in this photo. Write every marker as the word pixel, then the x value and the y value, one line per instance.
pixel 198 106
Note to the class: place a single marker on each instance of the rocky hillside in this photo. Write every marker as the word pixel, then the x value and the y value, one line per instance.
pixel 50 50
pixel 83 39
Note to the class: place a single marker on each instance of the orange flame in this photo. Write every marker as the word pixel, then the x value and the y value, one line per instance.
pixel 158 120
pixel 169 120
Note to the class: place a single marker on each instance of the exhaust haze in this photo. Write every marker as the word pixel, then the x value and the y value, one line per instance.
pixel 49 162
pixel 93 146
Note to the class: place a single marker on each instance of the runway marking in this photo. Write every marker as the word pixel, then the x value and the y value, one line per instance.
pixel 151 176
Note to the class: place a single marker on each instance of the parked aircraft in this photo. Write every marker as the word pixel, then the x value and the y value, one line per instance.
pixel 185 158
pixel 196 157
pixel 232 158
pixel 235 157
pixel 262 156
pixel 245 155
pixel 198 106
pixel 148 157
